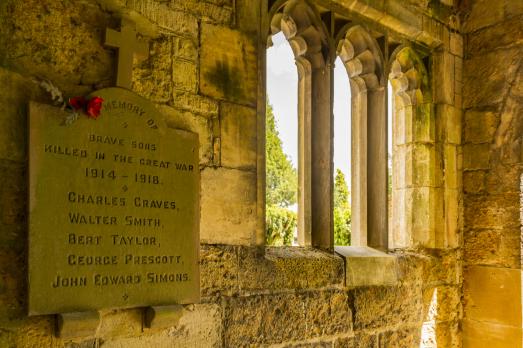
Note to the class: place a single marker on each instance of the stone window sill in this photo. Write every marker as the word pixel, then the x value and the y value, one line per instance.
pixel 365 266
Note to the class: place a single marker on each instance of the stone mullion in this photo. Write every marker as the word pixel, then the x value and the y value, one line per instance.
pixel 304 152
pixel 359 167
pixel 377 218
pixel 322 159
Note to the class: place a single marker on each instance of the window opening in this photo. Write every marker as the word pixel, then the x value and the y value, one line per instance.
pixel 281 144
pixel 342 155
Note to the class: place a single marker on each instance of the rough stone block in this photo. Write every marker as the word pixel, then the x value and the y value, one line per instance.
pixel 177 22
pixel 152 78
pixel 196 104
pixel 214 11
pixel 367 267
pixel 407 337
pixel 379 306
pixel 492 211
pixel 238 136
pixel 185 49
pixel 199 326
pixel 361 340
pixel 187 121
pixel 476 156
pixel 228 65
pixel 228 206
pixel 38 41
pixel 218 270
pixel 474 181
pixel 503 34
pixel 496 72
pixel 277 318
pixel 483 13
pixel 123 322
pixel 480 126
pixel 493 294
pixel 496 247
pixel 289 268
pixel 265 319
pixel 185 75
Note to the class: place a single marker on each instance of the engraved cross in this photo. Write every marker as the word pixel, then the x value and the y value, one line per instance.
pixel 127 44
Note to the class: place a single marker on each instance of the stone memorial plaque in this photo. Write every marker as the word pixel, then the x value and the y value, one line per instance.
pixel 113 208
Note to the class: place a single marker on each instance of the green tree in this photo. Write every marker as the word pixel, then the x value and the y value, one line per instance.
pixel 281 189
pixel 342 210
pixel 281 177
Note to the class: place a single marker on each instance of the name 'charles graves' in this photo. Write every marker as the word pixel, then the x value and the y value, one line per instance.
pixel 113 208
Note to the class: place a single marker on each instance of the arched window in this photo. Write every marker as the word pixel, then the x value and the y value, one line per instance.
pixel 308 38
pixel 281 143
pixel 414 185
pixel 342 155
pixel 363 61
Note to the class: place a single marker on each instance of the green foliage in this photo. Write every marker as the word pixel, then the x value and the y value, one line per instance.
pixel 281 224
pixel 342 210
pixel 281 177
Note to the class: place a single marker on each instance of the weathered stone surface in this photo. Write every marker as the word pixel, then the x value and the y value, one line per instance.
pixel 185 75
pixel 214 11
pixel 495 70
pixel 196 104
pixel 500 35
pixel 168 20
pixel 126 322
pixel 228 65
pixel 358 341
pixel 493 294
pixel 14 94
pixel 379 306
pixel 199 326
pixel 289 268
pixel 477 334
pixel 238 136
pixel 480 126
pixel 187 121
pixel 474 181
pixel 152 78
pixel 219 270
pixel 228 218
pixel 39 41
pixel 476 156
pixel 409 337
pixel 484 13
pixel 263 319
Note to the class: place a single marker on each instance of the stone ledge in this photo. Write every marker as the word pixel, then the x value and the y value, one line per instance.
pixel 365 266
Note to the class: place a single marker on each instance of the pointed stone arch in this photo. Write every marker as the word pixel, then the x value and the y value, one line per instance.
pixel 363 60
pixel 416 197
pixel 301 24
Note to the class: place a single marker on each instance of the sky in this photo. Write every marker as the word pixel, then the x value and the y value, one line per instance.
pixel 282 92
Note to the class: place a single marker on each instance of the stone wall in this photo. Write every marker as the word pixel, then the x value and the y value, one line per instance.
pixel 203 73
pixel 493 158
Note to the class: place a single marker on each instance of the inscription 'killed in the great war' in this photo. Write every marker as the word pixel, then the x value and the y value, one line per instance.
pixel 114 209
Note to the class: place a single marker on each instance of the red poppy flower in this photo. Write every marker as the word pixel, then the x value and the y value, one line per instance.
pixel 77 103
pixel 94 106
